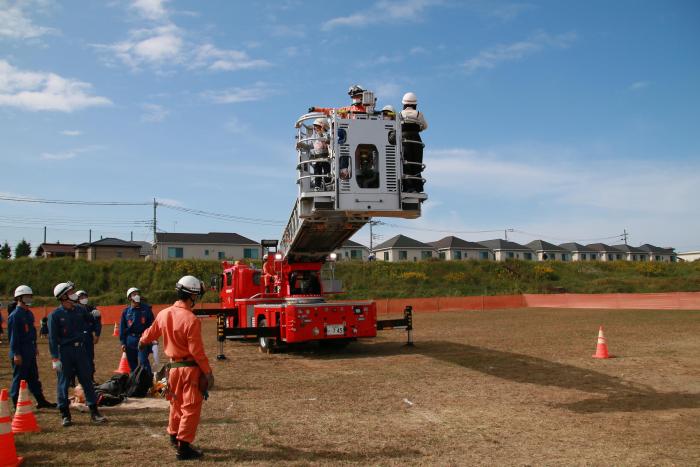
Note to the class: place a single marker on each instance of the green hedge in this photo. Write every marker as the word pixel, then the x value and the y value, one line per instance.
pixel 107 281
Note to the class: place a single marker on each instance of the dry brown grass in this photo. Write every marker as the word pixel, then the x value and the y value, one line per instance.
pixel 512 387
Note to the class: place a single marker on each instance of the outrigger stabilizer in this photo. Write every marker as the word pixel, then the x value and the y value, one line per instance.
pixel 223 332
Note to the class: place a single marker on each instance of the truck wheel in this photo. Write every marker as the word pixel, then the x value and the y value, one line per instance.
pixel 267 344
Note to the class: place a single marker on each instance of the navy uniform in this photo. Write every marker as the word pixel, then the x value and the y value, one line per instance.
pixel 94 329
pixel 135 320
pixel 68 325
pixel 22 335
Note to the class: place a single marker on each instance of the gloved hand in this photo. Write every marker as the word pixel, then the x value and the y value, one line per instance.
pixel 17 359
pixel 210 381
pixel 56 365
pixel 95 313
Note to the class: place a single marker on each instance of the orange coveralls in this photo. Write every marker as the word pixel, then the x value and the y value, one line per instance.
pixel 182 340
pixel 349 110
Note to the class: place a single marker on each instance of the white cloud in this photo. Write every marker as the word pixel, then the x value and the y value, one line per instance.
pixel 208 56
pixel 166 46
pixel 418 50
pixel 70 154
pixel 156 47
pixel 387 90
pixel 381 12
pixel 258 91
pixel 150 9
pixel 638 85
pixel 493 56
pixel 154 113
pixel 71 132
pixel 510 11
pixel 15 22
pixel 628 186
pixel 37 91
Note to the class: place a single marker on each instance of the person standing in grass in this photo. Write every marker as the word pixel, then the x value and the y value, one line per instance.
pixel 190 376
pixel 136 318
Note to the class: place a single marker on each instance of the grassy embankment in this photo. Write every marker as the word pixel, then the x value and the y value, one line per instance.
pixel 107 281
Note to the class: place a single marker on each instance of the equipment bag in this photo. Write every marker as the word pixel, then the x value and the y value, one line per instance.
pixel 140 382
pixel 115 386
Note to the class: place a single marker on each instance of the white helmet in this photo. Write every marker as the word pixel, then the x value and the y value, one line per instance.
pixel 322 122
pixel 62 288
pixel 190 285
pixel 81 292
pixel 409 99
pixel 130 291
pixel 388 108
pixel 23 290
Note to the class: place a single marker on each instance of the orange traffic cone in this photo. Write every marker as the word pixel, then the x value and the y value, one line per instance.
pixel 116 330
pixel 124 368
pixel 8 453
pixel 601 350
pixel 24 420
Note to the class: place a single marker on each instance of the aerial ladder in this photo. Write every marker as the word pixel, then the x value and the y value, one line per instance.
pixel 348 173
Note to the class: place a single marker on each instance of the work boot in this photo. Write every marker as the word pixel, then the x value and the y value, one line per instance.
pixel 95 415
pixel 42 403
pixel 66 421
pixel 173 441
pixel 185 451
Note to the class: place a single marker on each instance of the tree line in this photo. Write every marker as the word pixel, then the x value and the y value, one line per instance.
pixel 22 249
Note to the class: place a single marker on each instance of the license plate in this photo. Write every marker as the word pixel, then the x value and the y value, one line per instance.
pixel 335 329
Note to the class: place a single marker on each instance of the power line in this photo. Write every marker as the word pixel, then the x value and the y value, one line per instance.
pixel 226 217
pixel 536 235
pixel 22 199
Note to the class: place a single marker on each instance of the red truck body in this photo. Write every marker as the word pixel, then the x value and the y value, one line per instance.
pixel 290 297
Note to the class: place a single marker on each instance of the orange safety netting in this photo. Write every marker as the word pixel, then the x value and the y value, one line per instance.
pixel 394 306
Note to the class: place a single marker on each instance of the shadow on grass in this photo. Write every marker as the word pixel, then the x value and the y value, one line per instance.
pixel 620 395
pixel 277 452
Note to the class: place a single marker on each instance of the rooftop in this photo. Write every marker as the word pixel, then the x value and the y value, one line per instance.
pixel 219 238
pixel 401 241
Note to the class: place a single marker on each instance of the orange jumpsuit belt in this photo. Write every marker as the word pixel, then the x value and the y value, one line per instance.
pixel 183 364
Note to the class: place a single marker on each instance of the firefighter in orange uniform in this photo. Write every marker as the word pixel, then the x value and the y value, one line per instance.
pixel 190 376
pixel 357 107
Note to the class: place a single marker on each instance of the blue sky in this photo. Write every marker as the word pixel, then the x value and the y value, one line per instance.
pixel 565 121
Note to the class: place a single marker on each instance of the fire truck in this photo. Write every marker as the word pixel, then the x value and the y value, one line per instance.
pixel 348 172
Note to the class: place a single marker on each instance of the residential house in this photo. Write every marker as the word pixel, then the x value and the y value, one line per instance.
pixel 454 248
pixel 659 254
pixel 212 245
pixel 689 256
pixel 352 251
pixel 603 252
pixel 146 249
pixel 107 248
pixel 580 252
pixel 632 253
pixel 504 249
pixel 55 250
pixel 546 251
pixel 402 248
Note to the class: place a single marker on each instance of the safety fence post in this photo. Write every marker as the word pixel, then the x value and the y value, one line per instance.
pixel 408 317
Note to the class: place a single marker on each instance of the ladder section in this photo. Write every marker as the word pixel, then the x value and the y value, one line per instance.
pixel 313 238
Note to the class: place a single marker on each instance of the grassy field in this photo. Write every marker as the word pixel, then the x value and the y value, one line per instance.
pixel 107 281
pixel 507 387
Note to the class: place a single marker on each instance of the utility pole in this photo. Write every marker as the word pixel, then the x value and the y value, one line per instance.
pixel 90 236
pixel 371 235
pixel 155 239
pixel 505 232
pixel 132 236
pixel 625 235
pixel 44 234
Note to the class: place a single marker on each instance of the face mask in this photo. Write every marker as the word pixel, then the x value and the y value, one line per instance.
pixel 27 302
pixel 73 297
pixel 83 301
pixel 136 298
